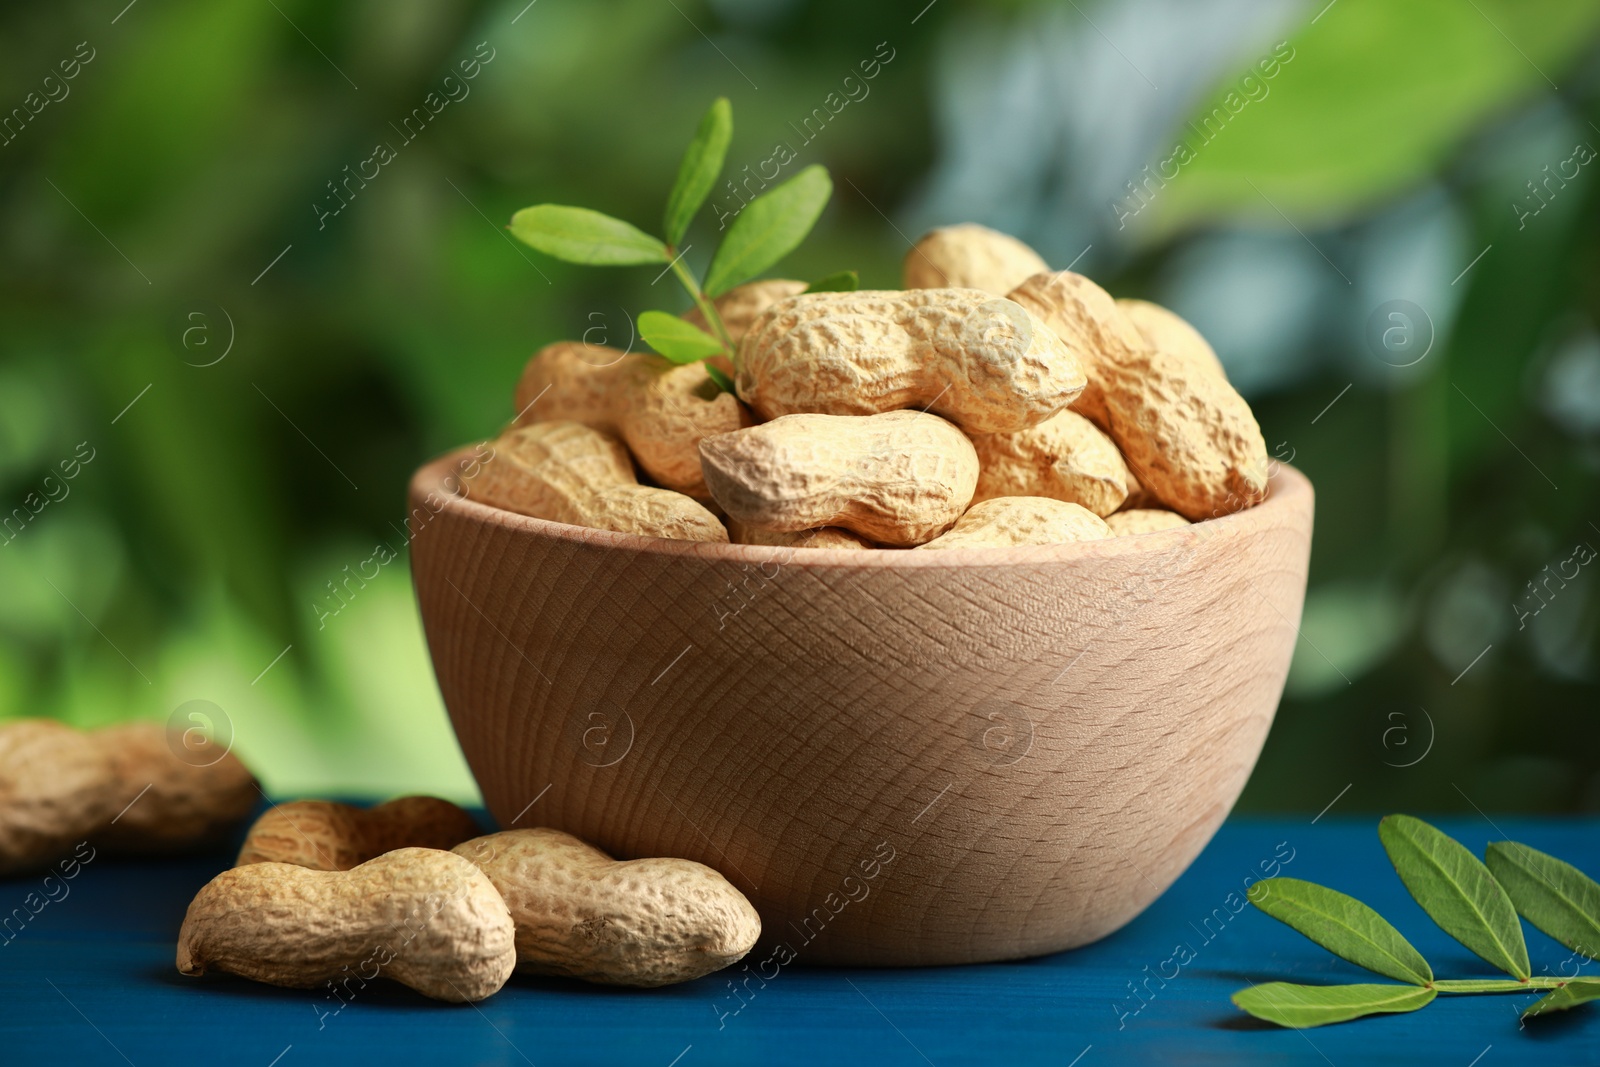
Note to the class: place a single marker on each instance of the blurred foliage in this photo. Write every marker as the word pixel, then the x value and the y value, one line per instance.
pixel 1373 101
pixel 190 165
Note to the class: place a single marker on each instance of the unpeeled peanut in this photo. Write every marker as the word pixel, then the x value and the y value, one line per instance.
pixel 1191 440
pixel 1144 520
pixel 824 537
pixel 428 919
pixel 981 361
pixel 123 788
pixel 739 308
pixel 1065 457
pixel 1167 330
pixel 659 409
pixel 57 786
pixel 580 913
pixel 970 256
pixel 567 472
pixel 171 804
pixel 327 836
pixel 1089 324
pixel 1008 521
pixel 899 478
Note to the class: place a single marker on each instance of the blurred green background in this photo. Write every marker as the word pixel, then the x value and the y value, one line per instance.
pixel 240 386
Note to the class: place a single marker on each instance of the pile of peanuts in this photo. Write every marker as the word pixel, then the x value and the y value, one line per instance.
pixel 326 895
pixel 991 403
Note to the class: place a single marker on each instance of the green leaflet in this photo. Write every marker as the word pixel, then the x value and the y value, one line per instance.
pixel 1578 991
pixel 679 341
pixel 1457 891
pixel 1554 896
pixel 766 230
pixel 844 281
pixel 579 235
pixel 1342 925
pixel 1303 1006
pixel 702 162
pixel 769 228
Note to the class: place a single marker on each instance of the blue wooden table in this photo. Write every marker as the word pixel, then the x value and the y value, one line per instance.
pixel 89 979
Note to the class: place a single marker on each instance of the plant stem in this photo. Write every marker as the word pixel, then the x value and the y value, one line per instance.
pixel 1496 985
pixel 707 308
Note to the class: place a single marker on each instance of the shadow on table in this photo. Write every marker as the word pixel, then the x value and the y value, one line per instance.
pixel 1240 1021
pixel 385 993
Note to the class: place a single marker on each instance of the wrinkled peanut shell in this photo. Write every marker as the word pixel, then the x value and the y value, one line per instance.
pixel 659 409
pixel 979 360
pixel 1184 432
pixel 171 803
pixel 970 256
pixel 425 918
pixel 1144 520
pixel 57 786
pixel 1170 332
pixel 580 913
pixel 327 836
pixel 1065 457
pixel 567 472
pixel 899 478
pixel 739 308
pixel 1009 521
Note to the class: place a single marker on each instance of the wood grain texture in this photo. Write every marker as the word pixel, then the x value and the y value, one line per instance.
pixel 901 758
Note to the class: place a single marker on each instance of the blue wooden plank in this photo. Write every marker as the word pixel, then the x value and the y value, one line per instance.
pixel 89 979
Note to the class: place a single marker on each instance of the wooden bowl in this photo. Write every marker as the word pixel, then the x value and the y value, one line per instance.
pixel 900 757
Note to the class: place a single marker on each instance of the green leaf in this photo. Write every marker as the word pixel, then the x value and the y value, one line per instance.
pixel 1578 991
pixel 579 235
pixel 844 281
pixel 725 382
pixel 1359 113
pixel 1457 891
pixel 702 162
pixel 769 228
pixel 1302 1006
pixel 679 341
pixel 1342 925
pixel 1554 896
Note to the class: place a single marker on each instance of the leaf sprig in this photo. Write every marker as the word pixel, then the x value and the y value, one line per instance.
pixel 1475 903
pixel 764 231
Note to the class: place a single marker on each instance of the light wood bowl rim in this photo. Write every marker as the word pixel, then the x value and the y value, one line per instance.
pixel 1283 488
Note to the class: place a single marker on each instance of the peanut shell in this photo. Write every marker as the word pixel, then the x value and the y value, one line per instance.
pixel 659 409
pixel 1144 520
pixel 1009 521
pixel 580 913
pixel 1184 432
pixel 899 478
pixel 567 472
pixel 1065 457
pixel 57 787
pixel 425 918
pixel 327 836
pixel 969 256
pixel 981 361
